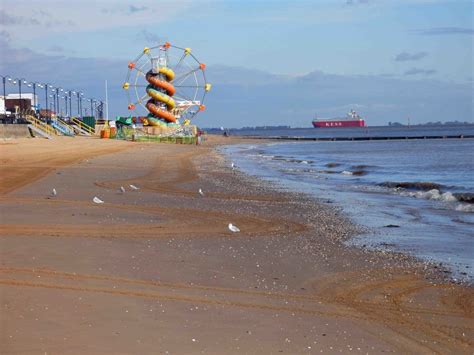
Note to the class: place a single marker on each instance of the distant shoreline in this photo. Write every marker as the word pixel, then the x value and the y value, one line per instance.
pixel 393 125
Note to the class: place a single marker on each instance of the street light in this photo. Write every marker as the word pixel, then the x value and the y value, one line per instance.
pixel 92 108
pixel 4 79
pixel 65 103
pixel 46 85
pixel 79 110
pixel 20 81
pixel 57 101
pixel 80 99
pixel 40 86
pixel 53 104
pixel 70 103
pixel 34 93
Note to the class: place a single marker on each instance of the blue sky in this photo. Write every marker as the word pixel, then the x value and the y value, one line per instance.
pixel 405 40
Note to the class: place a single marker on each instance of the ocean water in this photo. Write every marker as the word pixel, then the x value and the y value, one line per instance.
pixel 376 131
pixel 430 215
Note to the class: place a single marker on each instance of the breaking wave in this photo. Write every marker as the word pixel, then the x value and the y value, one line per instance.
pixel 464 207
pixel 464 201
pixel 433 194
pixel 417 185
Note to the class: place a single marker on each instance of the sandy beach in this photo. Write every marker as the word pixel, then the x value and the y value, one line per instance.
pixel 156 270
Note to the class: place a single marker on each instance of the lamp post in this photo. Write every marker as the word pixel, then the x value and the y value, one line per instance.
pixel 46 99
pixel 79 113
pixel 20 81
pixel 19 86
pixel 4 80
pixel 45 85
pixel 54 100
pixel 57 102
pixel 57 99
pixel 80 102
pixel 60 110
pixel 92 109
pixel 34 95
pixel 52 104
pixel 70 102
pixel 40 86
pixel 33 84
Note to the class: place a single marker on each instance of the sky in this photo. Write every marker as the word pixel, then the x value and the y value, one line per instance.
pixel 270 62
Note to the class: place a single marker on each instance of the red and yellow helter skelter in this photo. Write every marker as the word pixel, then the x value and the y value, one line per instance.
pixel 169 83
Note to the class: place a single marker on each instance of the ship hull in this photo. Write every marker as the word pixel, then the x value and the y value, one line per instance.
pixel 338 124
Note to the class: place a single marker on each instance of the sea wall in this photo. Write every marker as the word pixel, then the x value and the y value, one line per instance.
pixel 14 131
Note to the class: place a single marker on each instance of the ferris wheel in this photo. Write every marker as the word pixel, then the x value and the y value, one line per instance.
pixel 167 84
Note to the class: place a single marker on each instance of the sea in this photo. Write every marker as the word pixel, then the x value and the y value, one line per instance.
pixel 413 196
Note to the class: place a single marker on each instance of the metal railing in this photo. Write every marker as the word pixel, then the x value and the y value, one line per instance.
pixel 83 126
pixel 67 125
pixel 41 125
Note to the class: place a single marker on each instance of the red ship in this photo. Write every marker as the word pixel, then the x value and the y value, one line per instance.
pixel 351 120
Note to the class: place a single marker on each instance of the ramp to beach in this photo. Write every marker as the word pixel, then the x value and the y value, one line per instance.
pixel 40 128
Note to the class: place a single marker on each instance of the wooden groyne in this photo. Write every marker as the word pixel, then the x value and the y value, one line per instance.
pixel 373 138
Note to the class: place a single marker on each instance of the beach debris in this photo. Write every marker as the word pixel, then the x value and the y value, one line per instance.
pixel 200 192
pixel 122 189
pixel 97 200
pixel 134 187
pixel 54 192
pixel 233 228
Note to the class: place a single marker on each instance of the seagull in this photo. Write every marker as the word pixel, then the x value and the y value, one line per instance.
pixel 232 165
pixel 233 228
pixel 222 128
pixel 54 192
pixel 97 200
pixel 200 192
pixel 134 187
pixel 122 189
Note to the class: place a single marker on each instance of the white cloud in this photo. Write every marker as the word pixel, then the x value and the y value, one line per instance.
pixel 32 19
pixel 405 56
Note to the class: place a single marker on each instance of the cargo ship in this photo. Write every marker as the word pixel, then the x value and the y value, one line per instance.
pixel 352 119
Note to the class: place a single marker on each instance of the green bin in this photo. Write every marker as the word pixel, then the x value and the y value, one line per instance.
pixel 89 120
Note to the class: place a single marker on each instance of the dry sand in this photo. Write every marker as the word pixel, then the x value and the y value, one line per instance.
pixel 157 271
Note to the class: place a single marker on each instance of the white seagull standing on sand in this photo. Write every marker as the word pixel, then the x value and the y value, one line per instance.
pixel 54 193
pixel 232 165
pixel 200 192
pixel 233 228
pixel 134 187
pixel 122 189
pixel 97 200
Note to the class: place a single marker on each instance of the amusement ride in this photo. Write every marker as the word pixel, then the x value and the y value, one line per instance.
pixel 166 84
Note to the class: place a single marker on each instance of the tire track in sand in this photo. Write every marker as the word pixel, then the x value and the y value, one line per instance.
pixel 165 291
pixel 394 302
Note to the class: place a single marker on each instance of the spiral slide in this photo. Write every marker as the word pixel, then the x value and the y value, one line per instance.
pixel 176 86
pixel 160 91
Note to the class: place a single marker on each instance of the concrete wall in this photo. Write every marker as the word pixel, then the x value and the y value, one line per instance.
pixel 14 131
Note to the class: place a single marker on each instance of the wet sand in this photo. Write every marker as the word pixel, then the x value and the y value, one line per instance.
pixel 156 270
